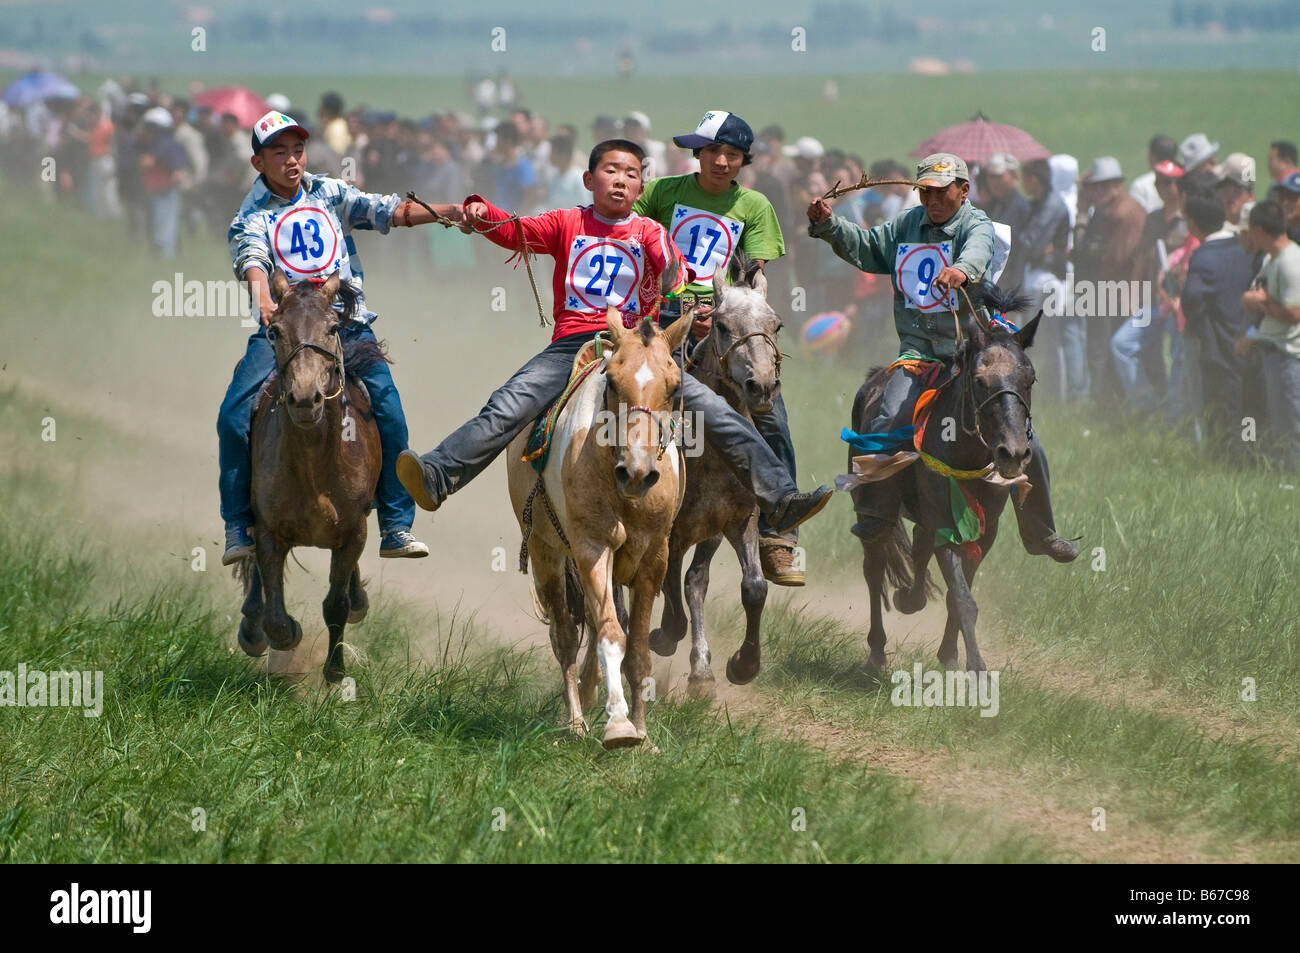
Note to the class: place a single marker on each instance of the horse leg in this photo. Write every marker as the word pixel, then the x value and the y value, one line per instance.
pixel 620 606
pixel 701 683
pixel 338 605
pixel 357 598
pixel 961 604
pixel 595 564
pixel 948 648
pixel 672 624
pixel 742 667
pixel 914 599
pixel 640 675
pixel 550 576
pixel 282 631
pixel 251 637
pixel 873 571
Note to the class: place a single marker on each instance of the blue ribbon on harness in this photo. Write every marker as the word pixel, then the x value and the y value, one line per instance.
pixel 1000 321
pixel 879 442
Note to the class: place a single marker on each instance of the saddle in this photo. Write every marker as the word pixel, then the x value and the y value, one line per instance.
pixel 589 357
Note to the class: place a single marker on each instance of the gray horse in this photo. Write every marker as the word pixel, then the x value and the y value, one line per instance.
pixel 741 362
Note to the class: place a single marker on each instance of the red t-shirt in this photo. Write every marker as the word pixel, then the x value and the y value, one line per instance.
pixel 597 262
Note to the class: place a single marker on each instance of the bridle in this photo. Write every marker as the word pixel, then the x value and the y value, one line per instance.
pixel 720 357
pixel 966 396
pixel 335 356
pixel 666 434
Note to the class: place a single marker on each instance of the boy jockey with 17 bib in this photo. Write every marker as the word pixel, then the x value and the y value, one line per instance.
pixel 708 215
pixel 301 224
pixel 945 219
pixel 605 255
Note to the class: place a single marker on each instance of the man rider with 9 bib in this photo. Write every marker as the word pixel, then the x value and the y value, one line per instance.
pixel 941 244
pixel 605 255
pixel 708 216
pixel 302 224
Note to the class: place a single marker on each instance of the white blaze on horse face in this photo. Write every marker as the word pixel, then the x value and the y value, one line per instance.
pixel 644 376
pixel 611 656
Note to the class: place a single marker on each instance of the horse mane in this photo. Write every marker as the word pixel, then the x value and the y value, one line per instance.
pixel 360 355
pixel 742 268
pixel 346 295
pixel 998 300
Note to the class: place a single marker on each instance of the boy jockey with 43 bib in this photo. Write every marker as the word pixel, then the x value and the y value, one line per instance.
pixel 301 224
pixel 605 255
pixel 964 238
pixel 709 215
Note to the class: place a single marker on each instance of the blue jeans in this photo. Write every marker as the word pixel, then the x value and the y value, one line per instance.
pixel 1129 347
pixel 1282 391
pixel 164 221
pixel 234 426
pixel 773 426
pixel 517 403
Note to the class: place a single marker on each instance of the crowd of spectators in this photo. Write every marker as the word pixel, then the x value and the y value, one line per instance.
pixel 1210 333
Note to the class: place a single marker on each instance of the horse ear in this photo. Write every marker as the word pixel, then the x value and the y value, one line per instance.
pixel 974 334
pixel 719 283
pixel 676 332
pixel 614 324
pixel 759 281
pixel 331 287
pixel 279 285
pixel 1025 336
pixel 668 279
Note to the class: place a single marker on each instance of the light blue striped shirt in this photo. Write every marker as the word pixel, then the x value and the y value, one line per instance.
pixel 310 235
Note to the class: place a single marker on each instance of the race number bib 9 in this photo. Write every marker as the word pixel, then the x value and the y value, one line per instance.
pixel 705 239
pixel 915 268
pixel 603 272
pixel 305 242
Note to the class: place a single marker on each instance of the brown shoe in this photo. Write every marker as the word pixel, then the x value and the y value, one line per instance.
pixel 777 557
pixel 412 475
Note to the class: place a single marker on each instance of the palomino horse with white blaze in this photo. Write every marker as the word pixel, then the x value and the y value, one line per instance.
pixel 316 459
pixel 740 360
pixel 611 487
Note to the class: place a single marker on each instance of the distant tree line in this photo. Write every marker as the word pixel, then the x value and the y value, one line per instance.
pixel 1281 15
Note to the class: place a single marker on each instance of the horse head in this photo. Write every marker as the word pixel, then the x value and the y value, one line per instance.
pixel 742 340
pixel 998 377
pixel 304 330
pixel 641 383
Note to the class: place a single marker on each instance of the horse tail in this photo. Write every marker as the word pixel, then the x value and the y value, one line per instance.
pixel 242 571
pixel 573 597
pixel 898 564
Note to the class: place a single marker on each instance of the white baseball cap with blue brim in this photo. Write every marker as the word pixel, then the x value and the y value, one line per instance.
pixel 271 125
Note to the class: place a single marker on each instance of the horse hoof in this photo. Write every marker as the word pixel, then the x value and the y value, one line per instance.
pixel 251 638
pixel 951 663
pixel 621 734
pixel 578 728
pixel 358 615
pixel 907 602
pixel 876 662
pixel 333 673
pixel 661 643
pixel 740 670
pixel 284 645
pixel 702 689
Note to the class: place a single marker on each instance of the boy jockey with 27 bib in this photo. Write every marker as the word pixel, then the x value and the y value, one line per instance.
pixel 708 215
pixel 963 241
pixel 301 224
pixel 604 255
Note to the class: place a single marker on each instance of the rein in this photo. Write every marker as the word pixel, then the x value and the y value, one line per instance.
pixel 335 356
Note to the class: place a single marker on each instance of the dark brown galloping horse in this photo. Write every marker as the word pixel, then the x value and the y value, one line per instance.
pixel 316 459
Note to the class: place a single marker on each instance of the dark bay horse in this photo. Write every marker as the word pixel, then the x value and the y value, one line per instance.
pixel 740 360
pixel 983 406
pixel 316 458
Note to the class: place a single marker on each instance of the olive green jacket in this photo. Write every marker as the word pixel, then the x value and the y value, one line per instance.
pixel 874 250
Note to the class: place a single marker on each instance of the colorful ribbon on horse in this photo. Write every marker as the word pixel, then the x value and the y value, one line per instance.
pixel 878 442
pixel 968 523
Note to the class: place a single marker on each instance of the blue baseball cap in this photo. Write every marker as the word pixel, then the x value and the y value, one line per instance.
pixel 1291 183
pixel 721 127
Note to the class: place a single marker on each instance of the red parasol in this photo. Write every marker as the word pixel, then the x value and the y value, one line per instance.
pixel 244 103
pixel 977 140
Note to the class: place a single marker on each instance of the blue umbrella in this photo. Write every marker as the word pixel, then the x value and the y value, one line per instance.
pixel 37 86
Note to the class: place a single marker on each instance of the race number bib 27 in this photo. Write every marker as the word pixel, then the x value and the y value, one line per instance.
pixel 305 242
pixel 915 268
pixel 705 239
pixel 603 272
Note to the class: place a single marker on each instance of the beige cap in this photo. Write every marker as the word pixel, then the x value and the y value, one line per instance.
pixel 940 169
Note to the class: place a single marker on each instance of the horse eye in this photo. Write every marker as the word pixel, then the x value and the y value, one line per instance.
pixel 335 327
pixel 272 333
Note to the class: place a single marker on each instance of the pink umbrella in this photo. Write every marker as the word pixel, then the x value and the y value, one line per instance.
pixel 977 140
pixel 244 103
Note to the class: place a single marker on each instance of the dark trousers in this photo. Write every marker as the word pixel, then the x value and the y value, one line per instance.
pixel 896 406
pixel 517 403
pixel 395 507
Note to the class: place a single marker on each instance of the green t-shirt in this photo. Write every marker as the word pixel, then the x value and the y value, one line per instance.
pixel 707 228
pixel 1281 274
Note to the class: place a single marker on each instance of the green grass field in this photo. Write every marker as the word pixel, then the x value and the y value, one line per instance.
pixel 1121 689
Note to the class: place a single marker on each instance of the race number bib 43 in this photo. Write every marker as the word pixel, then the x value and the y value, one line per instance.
pixel 705 239
pixel 603 272
pixel 305 242
pixel 915 268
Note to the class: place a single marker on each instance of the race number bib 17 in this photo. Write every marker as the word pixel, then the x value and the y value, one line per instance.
pixel 915 268
pixel 603 272
pixel 705 239
pixel 305 242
